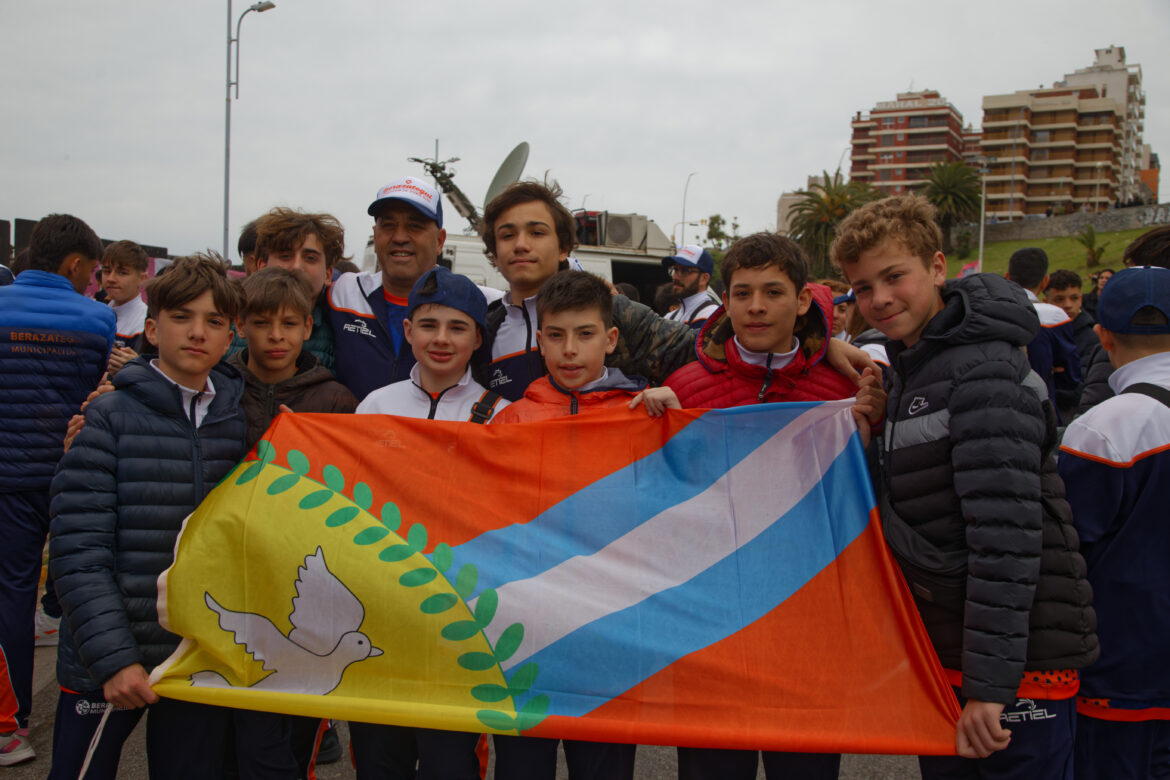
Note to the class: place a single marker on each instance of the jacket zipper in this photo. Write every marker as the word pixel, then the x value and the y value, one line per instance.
pixel 767 380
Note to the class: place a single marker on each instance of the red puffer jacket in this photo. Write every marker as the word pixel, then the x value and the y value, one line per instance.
pixel 720 378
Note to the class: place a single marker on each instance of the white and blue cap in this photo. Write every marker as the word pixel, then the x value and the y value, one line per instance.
pixel 692 256
pixel 414 192
pixel 1128 292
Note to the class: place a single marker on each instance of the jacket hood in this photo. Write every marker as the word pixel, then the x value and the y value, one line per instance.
pixel 142 381
pixel 980 308
pixel 812 328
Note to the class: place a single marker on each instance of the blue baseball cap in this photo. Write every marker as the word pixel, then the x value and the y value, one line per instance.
pixel 440 286
pixel 414 192
pixel 692 256
pixel 1131 290
pixel 848 297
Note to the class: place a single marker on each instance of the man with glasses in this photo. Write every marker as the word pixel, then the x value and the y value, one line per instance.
pixel 690 272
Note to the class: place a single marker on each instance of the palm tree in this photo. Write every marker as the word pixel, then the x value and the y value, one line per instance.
pixel 953 189
pixel 822 207
pixel 1087 237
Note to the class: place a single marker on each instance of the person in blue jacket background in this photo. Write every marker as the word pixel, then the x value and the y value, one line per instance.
pixel 54 344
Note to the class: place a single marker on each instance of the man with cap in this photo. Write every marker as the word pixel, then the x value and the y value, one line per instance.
pixel 366 309
pixel 1115 461
pixel 690 272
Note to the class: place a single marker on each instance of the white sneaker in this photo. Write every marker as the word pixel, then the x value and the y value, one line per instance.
pixel 15 748
pixel 46 629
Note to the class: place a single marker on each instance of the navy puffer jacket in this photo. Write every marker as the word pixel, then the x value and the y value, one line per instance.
pixel 968 465
pixel 54 345
pixel 121 493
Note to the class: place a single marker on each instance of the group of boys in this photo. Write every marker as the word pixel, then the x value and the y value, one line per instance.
pixel 967 466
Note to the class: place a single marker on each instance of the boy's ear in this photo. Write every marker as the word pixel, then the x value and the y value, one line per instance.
pixel 308 326
pixel 804 301
pixel 725 298
pixel 1108 343
pixel 406 328
pixel 611 337
pixel 938 269
pixel 539 344
pixel 150 330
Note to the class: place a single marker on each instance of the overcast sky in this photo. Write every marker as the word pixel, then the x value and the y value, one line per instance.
pixel 114 111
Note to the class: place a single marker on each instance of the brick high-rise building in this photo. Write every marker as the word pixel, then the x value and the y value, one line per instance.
pixel 897 143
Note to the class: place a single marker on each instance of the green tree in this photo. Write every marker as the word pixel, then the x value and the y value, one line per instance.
pixel 953 189
pixel 821 208
pixel 715 232
pixel 1087 237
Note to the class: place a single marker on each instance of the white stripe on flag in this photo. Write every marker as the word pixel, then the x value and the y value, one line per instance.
pixel 675 545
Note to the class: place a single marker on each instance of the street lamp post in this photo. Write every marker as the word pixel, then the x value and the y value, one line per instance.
pixel 684 214
pixel 227 117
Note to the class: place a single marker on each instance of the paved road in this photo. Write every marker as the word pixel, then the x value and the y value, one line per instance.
pixel 653 763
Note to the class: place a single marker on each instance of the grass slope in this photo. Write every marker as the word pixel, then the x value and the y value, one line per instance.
pixel 1062 252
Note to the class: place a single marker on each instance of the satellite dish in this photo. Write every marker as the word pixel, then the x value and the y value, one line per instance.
pixel 509 172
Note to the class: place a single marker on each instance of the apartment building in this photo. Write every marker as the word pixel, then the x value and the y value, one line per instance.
pixel 897 142
pixel 1051 151
pixel 1121 82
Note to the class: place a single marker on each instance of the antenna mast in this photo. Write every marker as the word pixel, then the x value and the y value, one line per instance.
pixel 445 178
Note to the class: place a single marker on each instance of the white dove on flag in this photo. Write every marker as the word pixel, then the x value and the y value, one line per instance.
pixel 324 641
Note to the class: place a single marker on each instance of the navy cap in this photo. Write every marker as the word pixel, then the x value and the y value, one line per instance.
pixel 444 288
pixel 848 297
pixel 1131 290
pixel 414 192
pixel 692 256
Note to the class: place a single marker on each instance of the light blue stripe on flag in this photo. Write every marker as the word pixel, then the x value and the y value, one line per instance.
pixel 607 657
pixel 587 521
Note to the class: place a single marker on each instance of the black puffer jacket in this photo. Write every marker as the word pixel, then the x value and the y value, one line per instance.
pixel 967 466
pixel 121 493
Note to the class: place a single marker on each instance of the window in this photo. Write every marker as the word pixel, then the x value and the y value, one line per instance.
pixel 887 158
pixel 889 121
pixel 918 121
pixel 1042 136
pixel 901 136
pixel 1040 154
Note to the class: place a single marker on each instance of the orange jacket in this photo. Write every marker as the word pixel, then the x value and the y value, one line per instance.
pixel 544 400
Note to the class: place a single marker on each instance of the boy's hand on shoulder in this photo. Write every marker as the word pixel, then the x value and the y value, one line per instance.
pixel 77 421
pixel 120 356
pixel 849 360
pixel 979 733
pixel 656 400
pixel 130 688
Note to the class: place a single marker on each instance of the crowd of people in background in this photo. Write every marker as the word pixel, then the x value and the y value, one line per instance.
pixel 1018 430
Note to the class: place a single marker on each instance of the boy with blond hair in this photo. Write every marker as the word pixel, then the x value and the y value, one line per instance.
pixel 971 504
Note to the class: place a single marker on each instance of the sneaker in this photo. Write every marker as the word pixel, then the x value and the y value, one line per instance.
pixel 46 629
pixel 15 748
pixel 330 750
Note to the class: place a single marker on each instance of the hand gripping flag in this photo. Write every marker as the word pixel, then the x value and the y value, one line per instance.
pixel 710 578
